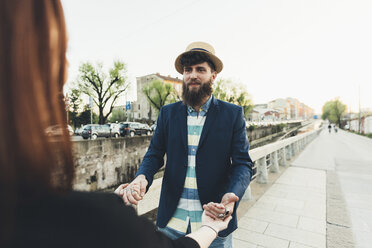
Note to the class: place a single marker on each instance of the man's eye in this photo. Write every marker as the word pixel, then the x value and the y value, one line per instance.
pixel 201 69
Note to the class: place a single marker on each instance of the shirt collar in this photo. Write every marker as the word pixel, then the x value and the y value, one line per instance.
pixel 204 108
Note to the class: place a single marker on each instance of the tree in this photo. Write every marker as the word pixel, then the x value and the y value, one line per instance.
pixel 118 115
pixel 228 91
pixel 84 117
pixel 159 94
pixel 104 89
pixel 333 111
pixel 74 104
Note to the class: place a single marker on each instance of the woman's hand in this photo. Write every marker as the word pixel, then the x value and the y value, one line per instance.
pixel 217 224
pixel 120 190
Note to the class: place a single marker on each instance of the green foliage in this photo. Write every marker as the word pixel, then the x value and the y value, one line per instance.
pixel 252 127
pixel 159 94
pixel 83 118
pixel 118 115
pixel 228 91
pixel 281 127
pixel 74 104
pixel 104 89
pixel 333 111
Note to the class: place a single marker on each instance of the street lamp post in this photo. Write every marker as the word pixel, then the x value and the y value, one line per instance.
pixel 90 106
pixel 359 123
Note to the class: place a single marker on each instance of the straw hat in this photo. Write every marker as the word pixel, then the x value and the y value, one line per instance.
pixel 203 47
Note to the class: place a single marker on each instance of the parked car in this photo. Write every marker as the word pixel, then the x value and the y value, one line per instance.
pixel 78 131
pixel 153 127
pixel 93 131
pixel 146 129
pixel 56 130
pixel 134 128
pixel 115 129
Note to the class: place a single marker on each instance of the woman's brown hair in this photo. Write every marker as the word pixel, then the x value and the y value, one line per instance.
pixel 32 73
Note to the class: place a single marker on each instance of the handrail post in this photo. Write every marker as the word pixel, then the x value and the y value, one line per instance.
pixel 288 152
pixel 262 170
pixel 247 194
pixel 283 155
pixel 293 151
pixel 297 147
pixel 274 164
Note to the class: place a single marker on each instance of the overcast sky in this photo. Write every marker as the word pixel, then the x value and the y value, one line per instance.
pixel 312 50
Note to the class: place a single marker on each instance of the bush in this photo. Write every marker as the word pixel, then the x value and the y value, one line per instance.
pixel 281 126
pixel 252 127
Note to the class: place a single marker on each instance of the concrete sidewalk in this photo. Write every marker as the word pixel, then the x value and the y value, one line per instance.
pixel 291 213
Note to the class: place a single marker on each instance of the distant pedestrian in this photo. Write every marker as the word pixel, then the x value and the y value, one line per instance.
pixel 38 207
pixel 329 127
pixel 206 145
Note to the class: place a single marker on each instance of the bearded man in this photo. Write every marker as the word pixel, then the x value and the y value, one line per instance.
pixel 207 165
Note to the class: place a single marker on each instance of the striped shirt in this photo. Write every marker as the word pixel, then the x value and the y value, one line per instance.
pixel 189 209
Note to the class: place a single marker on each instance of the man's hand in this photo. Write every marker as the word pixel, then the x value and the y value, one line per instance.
pixel 133 192
pixel 223 209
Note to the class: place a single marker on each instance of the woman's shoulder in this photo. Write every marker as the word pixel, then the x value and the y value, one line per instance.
pixel 100 199
pixel 107 205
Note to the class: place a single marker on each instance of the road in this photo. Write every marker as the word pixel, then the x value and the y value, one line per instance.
pixel 347 159
pixel 76 138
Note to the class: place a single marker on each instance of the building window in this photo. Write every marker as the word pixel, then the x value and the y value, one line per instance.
pixel 139 107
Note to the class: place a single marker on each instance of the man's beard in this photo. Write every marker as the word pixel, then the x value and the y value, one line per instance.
pixel 195 97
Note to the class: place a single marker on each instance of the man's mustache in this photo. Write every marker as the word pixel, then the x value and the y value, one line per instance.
pixel 194 81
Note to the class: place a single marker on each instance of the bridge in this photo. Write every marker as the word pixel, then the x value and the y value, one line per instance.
pixel 310 190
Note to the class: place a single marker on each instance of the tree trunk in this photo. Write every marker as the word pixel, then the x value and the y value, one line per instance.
pixel 101 119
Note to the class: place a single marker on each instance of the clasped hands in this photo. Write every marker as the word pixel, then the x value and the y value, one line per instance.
pixel 134 192
pixel 221 210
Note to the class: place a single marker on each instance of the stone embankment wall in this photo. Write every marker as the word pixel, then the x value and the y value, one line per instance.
pixel 105 163
pixel 263 131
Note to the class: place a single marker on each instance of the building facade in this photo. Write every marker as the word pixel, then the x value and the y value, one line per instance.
pixel 142 108
pixel 281 109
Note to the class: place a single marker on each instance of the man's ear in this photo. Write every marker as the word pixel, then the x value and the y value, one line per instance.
pixel 214 75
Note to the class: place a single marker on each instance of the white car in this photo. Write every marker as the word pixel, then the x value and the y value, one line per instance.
pixel 56 130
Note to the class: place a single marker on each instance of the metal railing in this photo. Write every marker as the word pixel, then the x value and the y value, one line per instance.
pixel 266 158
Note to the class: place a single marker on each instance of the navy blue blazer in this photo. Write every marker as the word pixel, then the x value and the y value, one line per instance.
pixel 222 160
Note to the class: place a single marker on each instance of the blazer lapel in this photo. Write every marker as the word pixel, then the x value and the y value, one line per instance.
pixel 182 123
pixel 211 116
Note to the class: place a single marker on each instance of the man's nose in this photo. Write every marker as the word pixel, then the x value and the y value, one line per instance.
pixel 193 74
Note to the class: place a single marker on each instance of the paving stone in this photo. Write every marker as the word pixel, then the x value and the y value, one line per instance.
pixel 265 205
pixel 282 202
pixel 312 225
pixel 296 235
pixel 253 224
pixel 297 245
pixel 237 243
pixel 315 213
pixel 272 217
pixel 260 239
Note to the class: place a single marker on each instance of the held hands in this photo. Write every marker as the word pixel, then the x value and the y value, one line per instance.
pixel 216 224
pixel 221 210
pixel 134 192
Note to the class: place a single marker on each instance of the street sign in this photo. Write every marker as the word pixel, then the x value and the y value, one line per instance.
pixel 127 105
